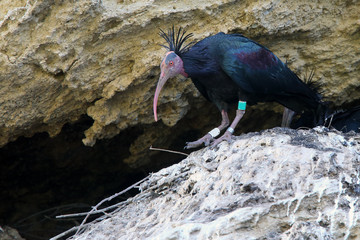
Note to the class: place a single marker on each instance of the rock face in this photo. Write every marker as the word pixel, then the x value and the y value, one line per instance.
pixel 8 233
pixel 60 60
pixel 276 184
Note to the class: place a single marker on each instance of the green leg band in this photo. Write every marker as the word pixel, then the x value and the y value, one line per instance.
pixel 242 105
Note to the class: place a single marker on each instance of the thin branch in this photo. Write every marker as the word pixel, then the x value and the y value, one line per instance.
pixel 170 151
pixel 109 199
pixel 331 119
pixel 19 223
pixel 73 229
pixel 94 212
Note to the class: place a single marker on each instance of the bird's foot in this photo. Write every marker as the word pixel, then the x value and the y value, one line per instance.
pixel 225 137
pixel 206 140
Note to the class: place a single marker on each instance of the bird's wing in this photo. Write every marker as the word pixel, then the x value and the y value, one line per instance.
pixel 253 67
pixel 256 69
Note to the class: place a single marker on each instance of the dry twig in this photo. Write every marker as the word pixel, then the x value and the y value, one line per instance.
pixel 95 210
pixel 170 151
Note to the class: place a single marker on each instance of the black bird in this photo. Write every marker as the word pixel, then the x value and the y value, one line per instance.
pixel 344 120
pixel 230 68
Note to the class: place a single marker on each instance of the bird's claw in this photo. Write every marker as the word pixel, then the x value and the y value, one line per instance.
pixel 206 140
pixel 225 137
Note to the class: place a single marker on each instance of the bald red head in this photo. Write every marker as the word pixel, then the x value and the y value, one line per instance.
pixel 171 66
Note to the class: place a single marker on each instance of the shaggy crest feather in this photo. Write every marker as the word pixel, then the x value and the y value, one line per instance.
pixel 176 39
pixel 315 86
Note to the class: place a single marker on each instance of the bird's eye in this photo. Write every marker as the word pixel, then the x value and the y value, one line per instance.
pixel 171 63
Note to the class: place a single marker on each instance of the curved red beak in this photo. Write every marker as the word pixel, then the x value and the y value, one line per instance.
pixel 162 80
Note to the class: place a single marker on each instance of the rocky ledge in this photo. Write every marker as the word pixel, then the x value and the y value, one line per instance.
pixel 275 184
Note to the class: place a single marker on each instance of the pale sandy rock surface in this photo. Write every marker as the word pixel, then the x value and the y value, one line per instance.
pixel 276 184
pixel 8 233
pixel 62 59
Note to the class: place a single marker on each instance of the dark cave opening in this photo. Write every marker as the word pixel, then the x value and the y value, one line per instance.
pixel 43 177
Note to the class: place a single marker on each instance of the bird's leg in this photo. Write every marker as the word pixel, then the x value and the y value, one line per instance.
pixel 287 117
pixel 228 133
pixel 209 137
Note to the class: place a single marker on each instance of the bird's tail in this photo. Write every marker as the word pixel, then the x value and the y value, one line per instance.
pixel 345 120
pixel 302 95
pixel 322 113
pixel 319 111
pixel 313 117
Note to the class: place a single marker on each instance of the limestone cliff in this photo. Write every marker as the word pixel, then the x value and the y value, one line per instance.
pixel 276 184
pixel 62 59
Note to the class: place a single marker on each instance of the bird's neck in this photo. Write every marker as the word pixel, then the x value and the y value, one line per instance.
pixel 180 67
pixel 191 65
pixel 184 73
pixel 195 66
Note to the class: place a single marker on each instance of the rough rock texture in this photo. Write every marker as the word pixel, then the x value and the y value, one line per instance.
pixel 276 184
pixel 62 59
pixel 8 233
